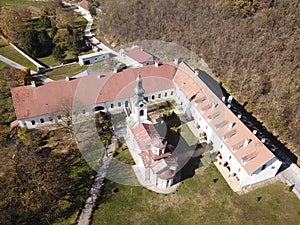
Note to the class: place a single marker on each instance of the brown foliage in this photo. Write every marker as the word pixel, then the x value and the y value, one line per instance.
pixel 253 47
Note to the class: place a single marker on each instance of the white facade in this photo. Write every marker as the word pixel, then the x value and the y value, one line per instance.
pixel 93 58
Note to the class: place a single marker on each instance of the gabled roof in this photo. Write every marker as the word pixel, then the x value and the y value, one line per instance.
pixel 219 117
pixel 84 4
pixel 139 55
pixel 89 90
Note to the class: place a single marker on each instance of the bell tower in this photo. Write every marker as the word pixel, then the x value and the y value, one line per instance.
pixel 139 102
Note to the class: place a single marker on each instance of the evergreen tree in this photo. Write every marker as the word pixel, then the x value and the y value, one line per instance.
pixel 45 44
pixel 59 54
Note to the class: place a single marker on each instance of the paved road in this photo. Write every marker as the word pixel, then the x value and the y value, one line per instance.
pixel 87 33
pixel 20 67
pixel 91 200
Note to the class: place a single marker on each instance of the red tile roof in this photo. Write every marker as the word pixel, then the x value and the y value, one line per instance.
pixel 51 97
pixel 84 4
pixel 218 116
pixel 139 55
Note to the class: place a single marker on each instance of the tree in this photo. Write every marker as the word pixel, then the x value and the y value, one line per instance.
pixel 45 21
pixel 30 42
pixel 11 23
pixel 45 44
pixel 59 54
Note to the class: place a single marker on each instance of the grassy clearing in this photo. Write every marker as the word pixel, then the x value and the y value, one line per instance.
pixel 18 3
pixel 2 65
pixel 81 177
pixel 49 60
pixel 10 53
pixel 199 200
pixel 61 73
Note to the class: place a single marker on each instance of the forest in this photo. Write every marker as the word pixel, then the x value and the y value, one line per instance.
pixel 251 46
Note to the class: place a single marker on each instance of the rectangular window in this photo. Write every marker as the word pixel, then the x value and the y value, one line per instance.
pixel 33 122
pixel 119 104
pixel 172 92
pixel 112 106
pixel 159 95
pixel 166 94
pixel 42 120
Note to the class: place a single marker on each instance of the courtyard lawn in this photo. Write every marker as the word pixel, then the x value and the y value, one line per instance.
pixel 203 199
pixel 188 135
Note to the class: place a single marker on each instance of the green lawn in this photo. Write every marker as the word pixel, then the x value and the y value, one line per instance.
pixel 2 65
pixel 61 73
pixel 187 134
pixel 49 60
pixel 12 54
pixel 199 200
pixel 81 177
pixel 18 3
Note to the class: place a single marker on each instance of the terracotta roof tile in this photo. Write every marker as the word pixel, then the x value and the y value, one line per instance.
pixel 190 84
pixel 139 55
pixel 89 90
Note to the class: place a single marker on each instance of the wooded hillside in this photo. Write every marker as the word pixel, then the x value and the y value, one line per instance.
pixel 251 46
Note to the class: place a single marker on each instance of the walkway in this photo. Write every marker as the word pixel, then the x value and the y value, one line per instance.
pixel 86 213
pixel 100 47
pixel 291 176
pixel 20 67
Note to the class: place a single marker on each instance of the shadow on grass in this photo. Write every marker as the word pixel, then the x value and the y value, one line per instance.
pixel 80 182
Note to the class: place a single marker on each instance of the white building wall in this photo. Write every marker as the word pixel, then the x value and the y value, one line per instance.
pixel 259 175
pixel 86 60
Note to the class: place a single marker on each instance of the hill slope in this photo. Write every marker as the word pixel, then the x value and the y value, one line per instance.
pixel 252 47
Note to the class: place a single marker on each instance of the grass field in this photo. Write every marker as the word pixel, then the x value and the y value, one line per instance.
pixel 12 54
pixel 18 3
pixel 61 73
pixel 199 200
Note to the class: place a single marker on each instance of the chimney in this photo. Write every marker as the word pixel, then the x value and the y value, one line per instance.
pixel 223 98
pixel 263 140
pixel 176 61
pixel 156 64
pixel 231 124
pixel 229 99
pixel 228 106
pixel 254 132
pixel 239 116
pixel 67 78
pixel 33 84
pixel 247 141
pixel 115 70
pixel 197 72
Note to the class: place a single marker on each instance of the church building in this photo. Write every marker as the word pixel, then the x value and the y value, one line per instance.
pixel 242 156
